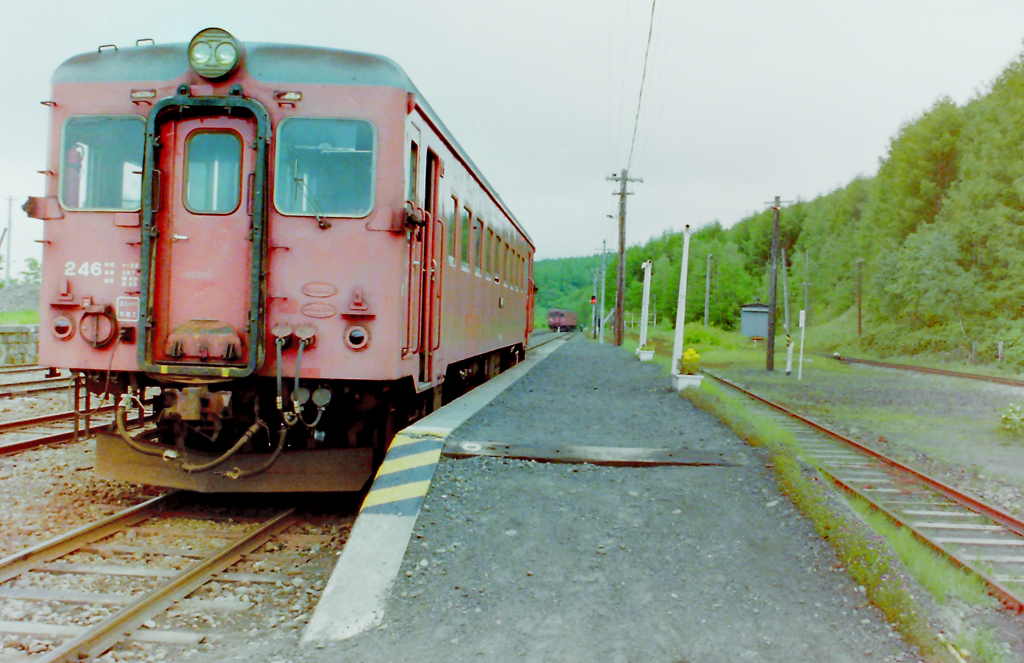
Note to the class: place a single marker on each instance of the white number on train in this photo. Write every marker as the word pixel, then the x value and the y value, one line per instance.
pixel 85 269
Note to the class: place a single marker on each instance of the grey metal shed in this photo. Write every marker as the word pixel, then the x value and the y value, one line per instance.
pixel 754 320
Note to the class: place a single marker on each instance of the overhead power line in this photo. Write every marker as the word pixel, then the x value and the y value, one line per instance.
pixel 643 77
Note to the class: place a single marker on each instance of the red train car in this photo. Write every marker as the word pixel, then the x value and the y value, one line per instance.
pixel 286 240
pixel 561 320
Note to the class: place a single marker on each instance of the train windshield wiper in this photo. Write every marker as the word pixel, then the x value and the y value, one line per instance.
pixel 300 185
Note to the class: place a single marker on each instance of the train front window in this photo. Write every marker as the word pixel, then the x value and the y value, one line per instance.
pixel 213 167
pixel 325 167
pixel 101 163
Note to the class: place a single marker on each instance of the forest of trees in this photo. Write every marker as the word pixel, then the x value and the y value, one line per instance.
pixel 939 228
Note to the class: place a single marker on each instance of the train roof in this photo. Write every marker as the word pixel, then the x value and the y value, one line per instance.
pixel 269 62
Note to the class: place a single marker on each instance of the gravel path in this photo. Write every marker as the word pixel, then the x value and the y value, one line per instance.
pixel 515 560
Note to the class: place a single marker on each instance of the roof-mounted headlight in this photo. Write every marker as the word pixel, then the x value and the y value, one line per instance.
pixel 214 53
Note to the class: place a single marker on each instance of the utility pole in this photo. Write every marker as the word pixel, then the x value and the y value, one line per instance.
pixel 604 278
pixel 860 261
pixel 10 236
pixel 620 295
pixel 707 291
pixel 770 361
pixel 785 303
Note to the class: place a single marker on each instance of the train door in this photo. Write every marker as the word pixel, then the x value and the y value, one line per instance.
pixel 433 250
pixel 203 278
pixel 414 262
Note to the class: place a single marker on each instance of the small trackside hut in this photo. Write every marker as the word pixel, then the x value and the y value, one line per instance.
pixel 285 241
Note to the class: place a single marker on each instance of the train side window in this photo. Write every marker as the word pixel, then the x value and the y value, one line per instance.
pixel 450 219
pixel 325 167
pixel 478 245
pixel 101 165
pixel 464 226
pixel 213 172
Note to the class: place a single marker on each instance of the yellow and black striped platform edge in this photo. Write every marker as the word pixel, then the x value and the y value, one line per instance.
pixel 404 477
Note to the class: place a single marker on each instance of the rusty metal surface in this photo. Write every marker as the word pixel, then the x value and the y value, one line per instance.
pixel 328 470
pixel 609 456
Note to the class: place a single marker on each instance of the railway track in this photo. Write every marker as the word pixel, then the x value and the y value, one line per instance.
pixel 154 574
pixel 976 536
pixel 543 338
pixel 20 368
pixel 23 434
pixel 933 371
pixel 13 385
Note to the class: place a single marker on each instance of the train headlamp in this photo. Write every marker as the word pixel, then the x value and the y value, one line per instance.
pixel 214 53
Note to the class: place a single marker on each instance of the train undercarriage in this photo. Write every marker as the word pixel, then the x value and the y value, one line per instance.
pixel 261 434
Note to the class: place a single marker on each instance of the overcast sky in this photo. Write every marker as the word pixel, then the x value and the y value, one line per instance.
pixel 744 99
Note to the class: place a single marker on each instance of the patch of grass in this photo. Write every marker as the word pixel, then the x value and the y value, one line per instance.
pixel 982 645
pixel 869 561
pixel 27 317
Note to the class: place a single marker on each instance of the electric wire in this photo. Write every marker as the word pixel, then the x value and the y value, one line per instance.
pixel 643 77
pixel 663 85
pixel 622 84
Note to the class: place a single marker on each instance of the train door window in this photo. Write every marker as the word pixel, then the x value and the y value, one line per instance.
pixel 213 167
pixel 410 182
pixel 478 245
pixel 504 263
pixel 430 187
pixel 450 218
pixel 101 165
pixel 464 225
pixel 325 167
pixel 489 254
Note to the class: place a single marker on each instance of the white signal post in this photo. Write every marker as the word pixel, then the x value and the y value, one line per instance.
pixel 645 308
pixel 677 347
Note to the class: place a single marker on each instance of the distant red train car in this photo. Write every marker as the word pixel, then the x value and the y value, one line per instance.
pixel 561 320
pixel 286 240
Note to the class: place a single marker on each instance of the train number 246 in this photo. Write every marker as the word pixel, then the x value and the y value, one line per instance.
pixel 85 269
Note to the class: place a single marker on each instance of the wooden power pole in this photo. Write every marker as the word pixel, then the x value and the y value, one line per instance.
pixel 620 294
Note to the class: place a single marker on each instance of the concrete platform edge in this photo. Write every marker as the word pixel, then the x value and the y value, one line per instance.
pixel 354 598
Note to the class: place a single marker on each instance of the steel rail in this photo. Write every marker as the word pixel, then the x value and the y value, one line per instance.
pixel 55 438
pixel 933 371
pixel 18 563
pixel 104 635
pixel 974 504
pixel 10 393
pixel 45 419
pixel 1011 524
pixel 21 368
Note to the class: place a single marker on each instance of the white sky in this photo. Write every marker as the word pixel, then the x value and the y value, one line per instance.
pixel 745 99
